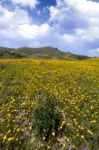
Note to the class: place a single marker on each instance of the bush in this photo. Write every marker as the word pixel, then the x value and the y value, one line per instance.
pixel 47 117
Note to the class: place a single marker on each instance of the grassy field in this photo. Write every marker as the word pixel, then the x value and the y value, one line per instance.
pixel 49 104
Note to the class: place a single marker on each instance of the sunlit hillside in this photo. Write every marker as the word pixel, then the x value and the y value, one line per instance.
pixel 38 53
pixel 49 104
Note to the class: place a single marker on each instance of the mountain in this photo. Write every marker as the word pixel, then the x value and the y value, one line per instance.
pixel 39 53
pixel 5 49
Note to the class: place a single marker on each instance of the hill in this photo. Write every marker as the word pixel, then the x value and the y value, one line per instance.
pixel 39 53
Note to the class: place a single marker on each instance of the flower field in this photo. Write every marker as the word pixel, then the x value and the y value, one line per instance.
pixel 49 104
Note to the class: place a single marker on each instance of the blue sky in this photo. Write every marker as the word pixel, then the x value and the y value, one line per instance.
pixel 70 25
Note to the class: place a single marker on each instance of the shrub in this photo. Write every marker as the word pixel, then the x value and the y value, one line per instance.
pixel 47 117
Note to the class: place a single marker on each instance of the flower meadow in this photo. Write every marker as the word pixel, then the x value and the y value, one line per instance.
pixel 49 104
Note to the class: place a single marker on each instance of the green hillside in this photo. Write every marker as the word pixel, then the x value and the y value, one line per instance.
pixel 39 53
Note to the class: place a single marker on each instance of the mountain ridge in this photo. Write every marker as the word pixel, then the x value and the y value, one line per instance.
pixel 38 53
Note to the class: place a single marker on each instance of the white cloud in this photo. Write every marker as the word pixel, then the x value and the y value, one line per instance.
pixel 25 3
pixel 86 7
pixel 30 31
pixel 72 25
pixel 90 34
pixel 65 38
pixel 18 25
pixel 13 18
pixel 5 16
pixel 86 10
pixel 77 22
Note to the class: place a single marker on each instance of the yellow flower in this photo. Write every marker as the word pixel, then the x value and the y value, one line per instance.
pixel 42 145
pixel 43 138
pixel 48 147
pixel 90 132
pixel 9 131
pixel 82 136
pixel 58 139
pixel 81 128
pixel 10 139
pixel 18 129
pixel 64 145
pixel 30 128
pixel 53 133
pixel 93 121
pixel 5 137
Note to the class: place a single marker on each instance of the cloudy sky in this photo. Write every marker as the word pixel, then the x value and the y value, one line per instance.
pixel 70 25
